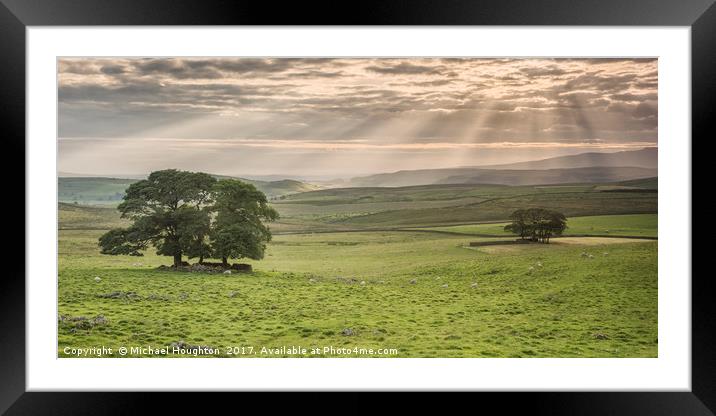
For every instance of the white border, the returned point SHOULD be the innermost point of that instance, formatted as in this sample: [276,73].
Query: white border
[671,371]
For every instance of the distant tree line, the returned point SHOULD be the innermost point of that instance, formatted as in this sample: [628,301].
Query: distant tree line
[194,214]
[536,224]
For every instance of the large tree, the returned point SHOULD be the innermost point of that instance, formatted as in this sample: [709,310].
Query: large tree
[168,210]
[239,228]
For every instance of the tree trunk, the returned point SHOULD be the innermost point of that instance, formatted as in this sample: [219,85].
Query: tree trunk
[201,259]
[177,260]
[225,262]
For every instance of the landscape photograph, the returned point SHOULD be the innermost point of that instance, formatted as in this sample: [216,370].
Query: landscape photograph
[357,207]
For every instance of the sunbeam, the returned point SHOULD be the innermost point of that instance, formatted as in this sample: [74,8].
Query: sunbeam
[343,117]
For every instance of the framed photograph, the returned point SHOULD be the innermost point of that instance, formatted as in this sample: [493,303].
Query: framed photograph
[489,197]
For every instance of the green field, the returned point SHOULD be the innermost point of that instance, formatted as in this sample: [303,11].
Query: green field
[572,306]
[634,225]
[346,270]
[439,205]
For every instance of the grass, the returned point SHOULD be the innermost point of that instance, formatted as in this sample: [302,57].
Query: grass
[349,209]
[82,217]
[386,268]
[570,203]
[633,225]
[308,291]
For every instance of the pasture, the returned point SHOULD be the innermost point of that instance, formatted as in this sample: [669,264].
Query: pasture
[632,225]
[383,268]
[409,291]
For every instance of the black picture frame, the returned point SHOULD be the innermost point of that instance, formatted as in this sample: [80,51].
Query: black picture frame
[16,15]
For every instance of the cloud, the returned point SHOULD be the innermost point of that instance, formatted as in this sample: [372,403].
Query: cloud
[405,68]
[607,102]
[550,71]
[645,110]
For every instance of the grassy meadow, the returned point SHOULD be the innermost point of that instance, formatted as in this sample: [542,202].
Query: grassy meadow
[386,268]
[631,225]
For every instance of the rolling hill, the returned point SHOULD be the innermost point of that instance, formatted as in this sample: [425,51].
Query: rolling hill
[590,167]
[110,191]
[504,176]
[643,158]
[340,209]
[92,191]
[552,176]
[282,187]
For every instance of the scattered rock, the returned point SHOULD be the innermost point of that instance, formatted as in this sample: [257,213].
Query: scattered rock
[100,320]
[311,280]
[227,271]
[97,279]
[208,267]
[599,335]
[473,285]
[233,294]
[605,253]
[413,281]
[75,323]
[445,285]
[179,344]
[584,254]
[119,295]
[202,268]
[347,332]
[362,282]
[539,264]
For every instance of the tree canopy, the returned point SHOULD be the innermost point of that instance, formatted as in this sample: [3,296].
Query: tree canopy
[193,214]
[537,224]
[239,229]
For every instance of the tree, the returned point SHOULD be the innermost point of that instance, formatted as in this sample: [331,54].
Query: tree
[239,230]
[552,223]
[537,223]
[519,224]
[168,212]
[198,225]
[195,230]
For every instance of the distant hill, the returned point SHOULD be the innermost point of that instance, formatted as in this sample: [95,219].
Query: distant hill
[282,187]
[643,158]
[551,176]
[504,176]
[110,191]
[92,191]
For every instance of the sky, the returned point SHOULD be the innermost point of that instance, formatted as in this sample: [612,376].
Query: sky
[338,118]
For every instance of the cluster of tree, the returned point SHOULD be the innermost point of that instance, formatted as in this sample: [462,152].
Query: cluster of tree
[537,224]
[193,214]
